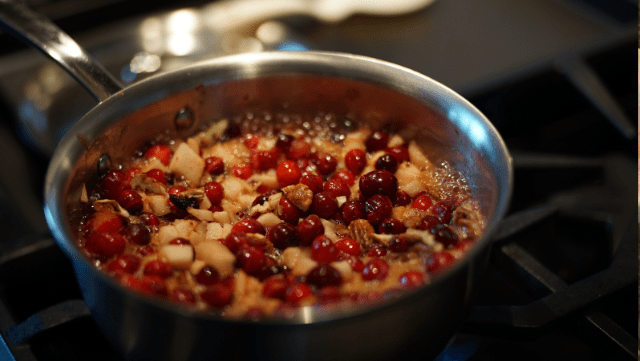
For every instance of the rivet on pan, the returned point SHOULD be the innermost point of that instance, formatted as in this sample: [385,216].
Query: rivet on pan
[184,119]
[104,164]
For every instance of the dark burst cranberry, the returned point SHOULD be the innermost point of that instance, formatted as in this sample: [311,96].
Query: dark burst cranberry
[402,198]
[377,141]
[287,211]
[377,251]
[114,183]
[158,268]
[282,235]
[387,162]
[271,269]
[183,202]
[264,160]
[439,261]
[207,276]
[428,222]
[399,244]
[214,165]
[325,162]
[349,246]
[284,142]
[127,263]
[214,191]
[299,148]
[261,199]
[105,244]
[345,176]
[444,209]
[324,204]
[422,202]
[353,210]
[242,171]
[160,152]
[378,208]
[184,297]
[313,181]
[251,260]
[376,269]
[308,229]
[443,234]
[149,219]
[379,182]
[412,279]
[157,175]
[235,240]
[131,201]
[136,233]
[248,225]
[218,295]
[324,275]
[323,250]
[355,160]
[287,173]
[336,187]
[274,287]
[400,152]
[392,226]
[298,292]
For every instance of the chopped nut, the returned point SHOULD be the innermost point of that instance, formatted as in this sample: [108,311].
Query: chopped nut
[145,183]
[299,194]
[361,230]
[466,222]
[110,205]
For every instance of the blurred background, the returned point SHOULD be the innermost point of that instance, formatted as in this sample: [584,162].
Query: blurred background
[556,77]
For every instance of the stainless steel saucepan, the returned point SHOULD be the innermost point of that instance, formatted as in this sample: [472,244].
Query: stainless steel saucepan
[419,322]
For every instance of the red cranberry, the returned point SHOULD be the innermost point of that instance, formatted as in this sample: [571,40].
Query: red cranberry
[287,211]
[217,295]
[161,152]
[149,219]
[184,297]
[378,208]
[235,240]
[145,251]
[377,141]
[242,171]
[207,276]
[106,244]
[353,210]
[379,182]
[376,269]
[349,246]
[328,294]
[392,226]
[439,261]
[387,162]
[428,222]
[297,292]
[288,173]
[104,222]
[274,287]
[298,149]
[412,279]
[464,245]
[136,233]
[325,162]
[399,244]
[131,201]
[127,263]
[337,188]
[355,263]
[345,176]
[180,242]
[402,198]
[400,152]
[323,250]
[158,268]
[130,173]
[262,189]
[251,141]
[444,209]
[282,235]
[377,251]
[324,275]
[284,142]
[264,160]
[154,284]
[422,202]
[313,181]
[324,204]
[355,160]
[248,225]
[157,175]
[251,260]
[214,191]
[114,183]
[214,165]
[308,229]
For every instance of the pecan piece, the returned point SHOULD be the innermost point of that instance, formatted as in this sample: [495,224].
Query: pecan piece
[362,231]
[300,195]
[466,222]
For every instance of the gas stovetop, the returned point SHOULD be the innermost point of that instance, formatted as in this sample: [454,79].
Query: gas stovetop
[564,268]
